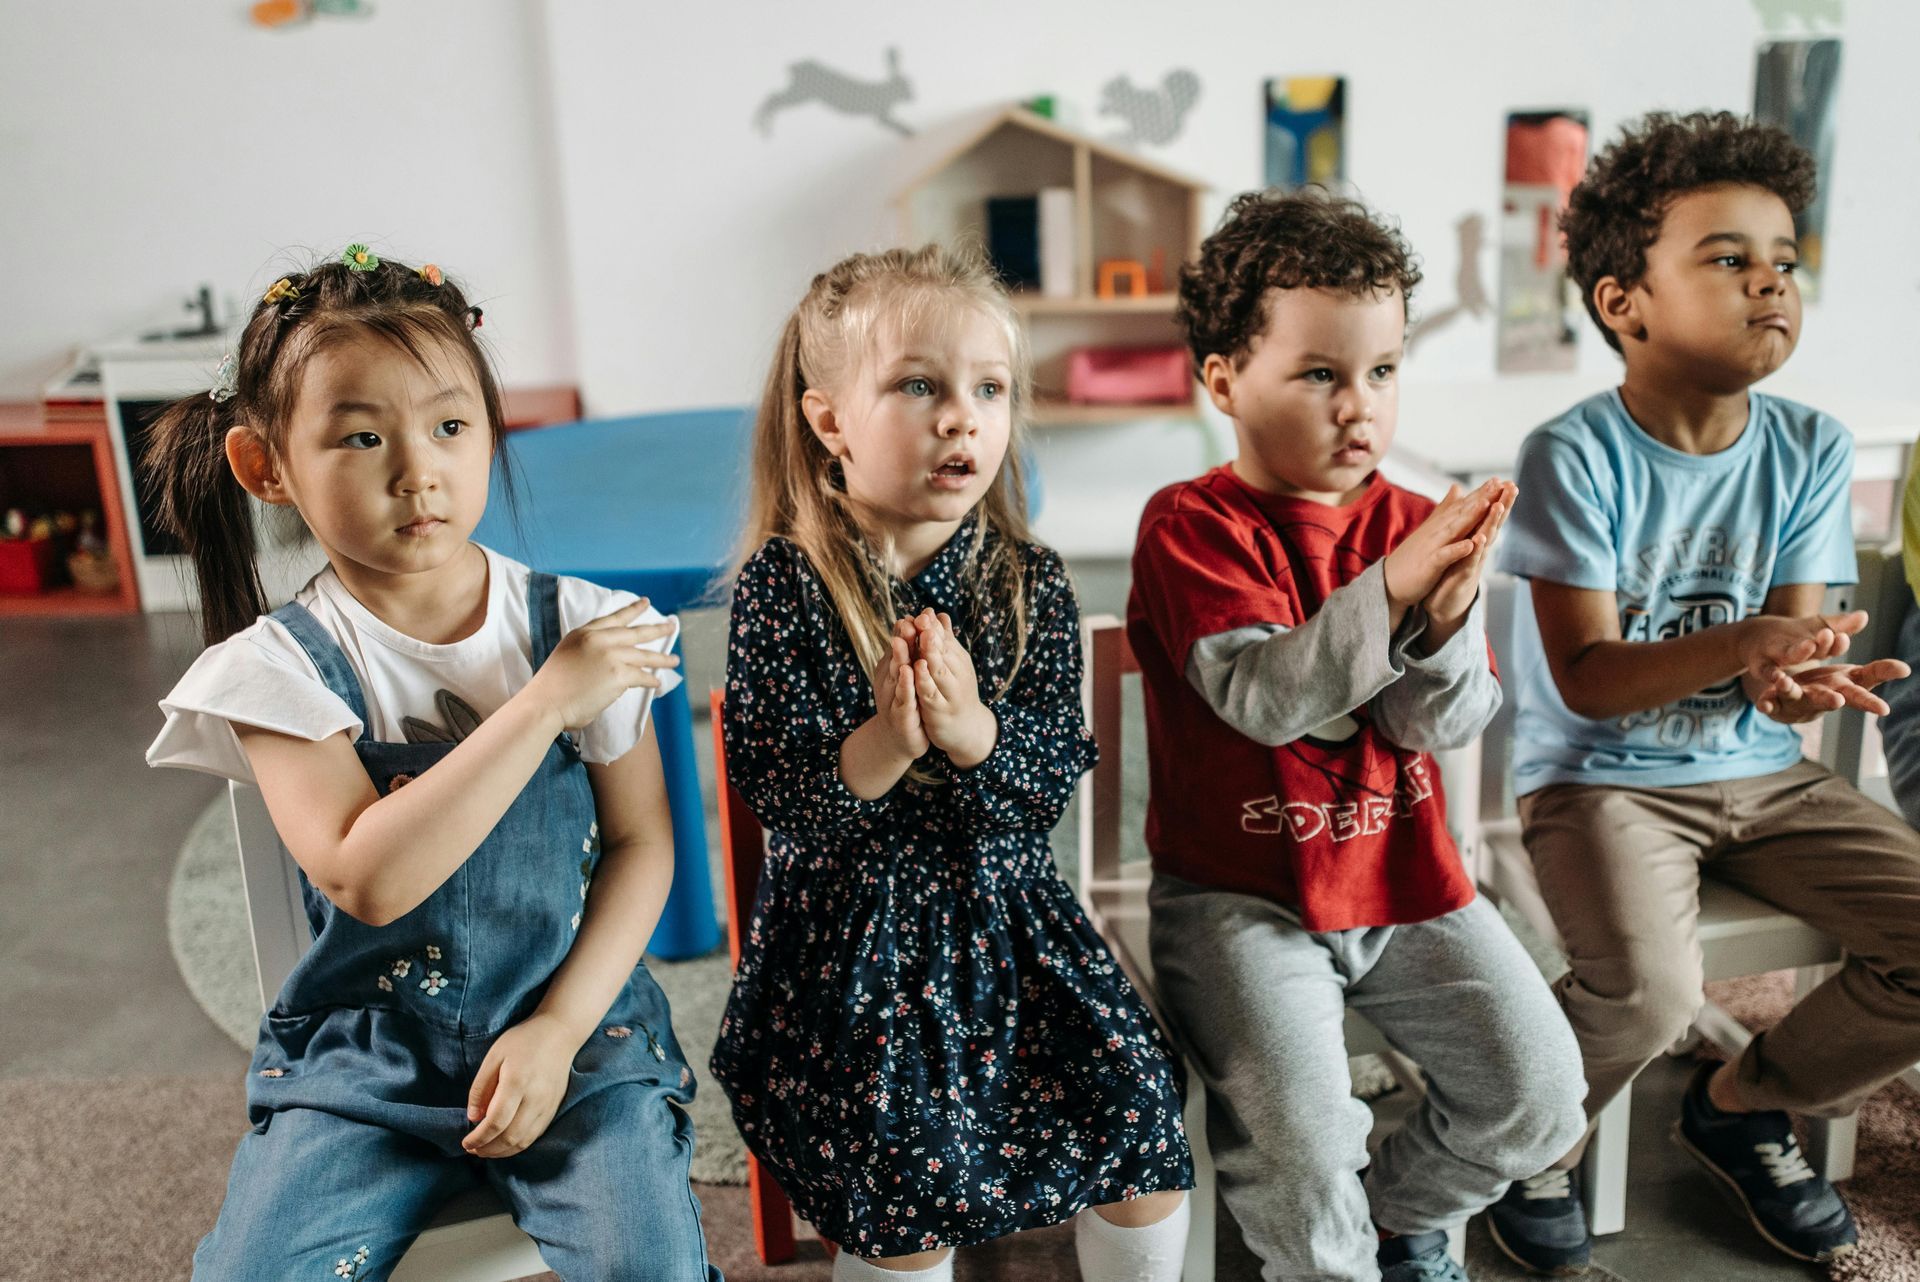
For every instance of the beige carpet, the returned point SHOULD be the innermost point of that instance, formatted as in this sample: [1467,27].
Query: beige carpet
[1885,1189]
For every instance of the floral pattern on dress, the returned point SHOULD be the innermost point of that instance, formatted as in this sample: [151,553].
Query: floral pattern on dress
[927,1042]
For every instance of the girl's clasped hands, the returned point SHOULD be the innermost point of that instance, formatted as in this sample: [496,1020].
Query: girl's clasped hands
[928,695]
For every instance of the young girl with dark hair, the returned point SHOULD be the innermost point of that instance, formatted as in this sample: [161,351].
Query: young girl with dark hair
[454,750]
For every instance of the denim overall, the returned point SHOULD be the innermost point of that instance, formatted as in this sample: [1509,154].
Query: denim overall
[358,1087]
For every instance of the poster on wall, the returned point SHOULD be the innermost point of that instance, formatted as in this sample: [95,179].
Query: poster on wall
[1796,86]
[1540,308]
[1306,131]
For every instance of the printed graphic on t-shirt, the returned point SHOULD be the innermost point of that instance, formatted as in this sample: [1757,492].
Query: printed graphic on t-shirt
[1364,816]
[1688,581]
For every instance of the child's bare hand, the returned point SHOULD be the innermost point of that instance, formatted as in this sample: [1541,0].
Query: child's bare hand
[1769,644]
[519,1086]
[598,662]
[957,722]
[1453,595]
[1813,692]
[895,691]
[1415,567]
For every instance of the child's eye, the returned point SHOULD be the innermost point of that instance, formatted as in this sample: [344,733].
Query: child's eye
[991,390]
[917,387]
[1787,268]
[452,427]
[1318,376]
[1731,260]
[1383,372]
[361,441]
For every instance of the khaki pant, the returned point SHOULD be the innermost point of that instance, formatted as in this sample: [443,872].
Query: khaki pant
[1620,870]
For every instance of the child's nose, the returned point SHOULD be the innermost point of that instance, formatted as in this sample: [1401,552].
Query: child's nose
[414,471]
[956,419]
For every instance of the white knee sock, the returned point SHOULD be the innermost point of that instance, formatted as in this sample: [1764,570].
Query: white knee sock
[1110,1253]
[848,1267]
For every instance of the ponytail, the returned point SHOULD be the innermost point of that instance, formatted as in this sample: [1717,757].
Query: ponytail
[201,503]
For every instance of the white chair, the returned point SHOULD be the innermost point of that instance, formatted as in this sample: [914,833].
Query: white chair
[1850,746]
[1739,936]
[473,1239]
[1115,896]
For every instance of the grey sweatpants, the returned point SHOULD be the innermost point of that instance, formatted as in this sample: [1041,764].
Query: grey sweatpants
[1259,1004]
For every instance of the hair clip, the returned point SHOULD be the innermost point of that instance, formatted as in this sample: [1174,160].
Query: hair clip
[359,258]
[430,273]
[226,380]
[281,289]
[473,317]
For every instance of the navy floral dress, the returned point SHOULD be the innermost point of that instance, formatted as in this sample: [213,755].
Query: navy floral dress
[927,1043]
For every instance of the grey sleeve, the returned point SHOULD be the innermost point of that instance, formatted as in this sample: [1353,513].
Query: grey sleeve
[1446,698]
[1275,684]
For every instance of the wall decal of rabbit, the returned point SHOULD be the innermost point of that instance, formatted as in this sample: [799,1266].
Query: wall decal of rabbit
[812,81]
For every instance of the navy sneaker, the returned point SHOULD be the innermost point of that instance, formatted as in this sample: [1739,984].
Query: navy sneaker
[1541,1224]
[1757,1157]
[1421,1257]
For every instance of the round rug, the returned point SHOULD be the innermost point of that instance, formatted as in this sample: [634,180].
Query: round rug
[207,929]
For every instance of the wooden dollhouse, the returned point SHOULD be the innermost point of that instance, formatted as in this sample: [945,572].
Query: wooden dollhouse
[1132,223]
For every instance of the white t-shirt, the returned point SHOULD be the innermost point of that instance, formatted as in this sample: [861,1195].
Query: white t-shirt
[262,676]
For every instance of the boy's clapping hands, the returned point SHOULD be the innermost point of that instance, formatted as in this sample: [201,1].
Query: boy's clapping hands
[1440,564]
[1775,649]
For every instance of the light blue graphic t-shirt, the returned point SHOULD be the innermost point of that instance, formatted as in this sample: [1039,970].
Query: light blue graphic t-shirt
[1685,542]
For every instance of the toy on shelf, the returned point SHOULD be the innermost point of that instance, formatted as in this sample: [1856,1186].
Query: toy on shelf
[1129,376]
[1116,271]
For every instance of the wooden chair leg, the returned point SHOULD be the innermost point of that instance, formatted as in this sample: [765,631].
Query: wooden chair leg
[772,1215]
[1605,1166]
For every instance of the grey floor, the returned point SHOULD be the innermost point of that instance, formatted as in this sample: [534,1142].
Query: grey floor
[88,835]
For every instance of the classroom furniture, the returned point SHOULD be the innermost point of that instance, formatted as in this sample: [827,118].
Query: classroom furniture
[1115,895]
[652,505]
[746,852]
[67,463]
[1739,935]
[1125,208]
[474,1238]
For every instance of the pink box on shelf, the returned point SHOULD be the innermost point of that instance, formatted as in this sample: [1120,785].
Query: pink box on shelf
[1128,376]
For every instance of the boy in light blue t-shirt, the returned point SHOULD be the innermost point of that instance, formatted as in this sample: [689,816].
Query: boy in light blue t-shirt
[1678,534]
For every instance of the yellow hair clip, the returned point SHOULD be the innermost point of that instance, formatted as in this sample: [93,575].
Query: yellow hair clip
[281,289]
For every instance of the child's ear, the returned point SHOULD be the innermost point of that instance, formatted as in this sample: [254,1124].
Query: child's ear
[819,414]
[1216,375]
[1619,307]
[255,466]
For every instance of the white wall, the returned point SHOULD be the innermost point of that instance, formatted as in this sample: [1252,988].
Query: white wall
[147,147]
[693,235]
[592,167]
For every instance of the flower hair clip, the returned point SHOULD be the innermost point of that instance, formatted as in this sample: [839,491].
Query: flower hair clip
[474,315]
[359,258]
[226,380]
[281,290]
[430,273]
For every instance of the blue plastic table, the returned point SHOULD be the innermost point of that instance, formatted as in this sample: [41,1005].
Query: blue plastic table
[650,505]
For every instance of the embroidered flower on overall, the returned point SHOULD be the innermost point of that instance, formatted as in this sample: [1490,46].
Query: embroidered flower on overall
[348,1268]
[590,850]
[401,968]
